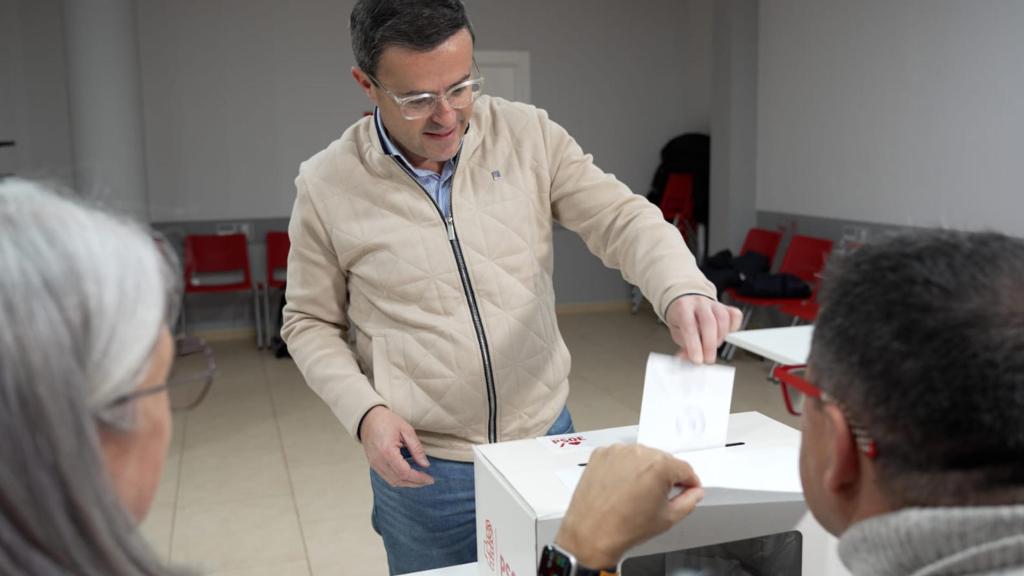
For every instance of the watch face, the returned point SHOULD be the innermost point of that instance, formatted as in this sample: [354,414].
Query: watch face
[554,562]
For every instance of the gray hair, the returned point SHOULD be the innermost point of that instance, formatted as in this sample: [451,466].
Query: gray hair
[921,340]
[420,25]
[83,297]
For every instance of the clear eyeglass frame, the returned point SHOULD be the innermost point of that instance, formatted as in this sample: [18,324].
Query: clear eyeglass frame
[417,106]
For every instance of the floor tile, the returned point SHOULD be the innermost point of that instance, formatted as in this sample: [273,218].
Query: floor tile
[246,534]
[346,546]
[289,569]
[157,529]
[332,491]
[219,478]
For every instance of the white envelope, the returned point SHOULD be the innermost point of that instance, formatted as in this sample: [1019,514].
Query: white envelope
[685,406]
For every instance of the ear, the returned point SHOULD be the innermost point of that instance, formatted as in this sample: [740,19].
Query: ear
[364,83]
[843,473]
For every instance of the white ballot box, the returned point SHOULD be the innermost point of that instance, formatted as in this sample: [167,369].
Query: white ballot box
[752,489]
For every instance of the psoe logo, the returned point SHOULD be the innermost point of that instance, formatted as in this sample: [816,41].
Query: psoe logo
[489,544]
[506,570]
[566,441]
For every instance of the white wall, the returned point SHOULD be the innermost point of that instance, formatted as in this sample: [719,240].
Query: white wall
[908,112]
[733,124]
[34,95]
[238,92]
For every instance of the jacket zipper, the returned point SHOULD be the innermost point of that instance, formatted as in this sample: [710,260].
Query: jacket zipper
[474,310]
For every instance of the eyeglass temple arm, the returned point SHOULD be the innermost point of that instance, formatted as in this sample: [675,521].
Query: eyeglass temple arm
[785,375]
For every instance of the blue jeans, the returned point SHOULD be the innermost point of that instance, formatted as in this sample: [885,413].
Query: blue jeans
[433,526]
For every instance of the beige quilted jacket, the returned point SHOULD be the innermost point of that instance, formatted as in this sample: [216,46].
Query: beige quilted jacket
[452,324]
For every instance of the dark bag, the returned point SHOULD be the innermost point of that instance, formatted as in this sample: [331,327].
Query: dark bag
[725,271]
[775,286]
[277,344]
[751,264]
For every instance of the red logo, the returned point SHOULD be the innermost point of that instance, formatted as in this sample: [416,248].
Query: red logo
[489,544]
[506,570]
[568,441]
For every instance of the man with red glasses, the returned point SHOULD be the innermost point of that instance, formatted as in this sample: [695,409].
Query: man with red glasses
[420,295]
[912,420]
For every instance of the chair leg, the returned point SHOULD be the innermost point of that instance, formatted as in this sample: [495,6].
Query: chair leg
[184,317]
[730,350]
[267,324]
[259,317]
[637,298]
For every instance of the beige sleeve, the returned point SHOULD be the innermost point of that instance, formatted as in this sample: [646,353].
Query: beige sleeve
[315,322]
[623,229]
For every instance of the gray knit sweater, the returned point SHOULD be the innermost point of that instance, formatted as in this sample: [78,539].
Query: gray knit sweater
[937,542]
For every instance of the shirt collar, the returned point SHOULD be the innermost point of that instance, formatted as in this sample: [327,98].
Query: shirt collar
[391,150]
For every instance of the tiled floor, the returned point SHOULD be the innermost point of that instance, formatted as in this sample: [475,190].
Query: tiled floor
[263,480]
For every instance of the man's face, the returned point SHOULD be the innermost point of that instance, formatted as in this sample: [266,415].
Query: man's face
[821,465]
[813,460]
[426,142]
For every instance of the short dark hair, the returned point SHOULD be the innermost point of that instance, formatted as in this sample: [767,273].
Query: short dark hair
[420,25]
[921,341]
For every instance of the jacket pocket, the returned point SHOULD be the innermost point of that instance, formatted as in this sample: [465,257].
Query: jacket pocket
[381,367]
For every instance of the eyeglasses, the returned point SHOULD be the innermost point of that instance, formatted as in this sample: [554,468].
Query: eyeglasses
[416,106]
[795,391]
[188,384]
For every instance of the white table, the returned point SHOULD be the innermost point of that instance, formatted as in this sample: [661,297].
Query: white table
[460,570]
[787,346]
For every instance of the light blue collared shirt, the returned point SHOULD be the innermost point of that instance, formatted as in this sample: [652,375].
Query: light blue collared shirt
[439,186]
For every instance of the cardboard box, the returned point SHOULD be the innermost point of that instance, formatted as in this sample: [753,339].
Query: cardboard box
[524,487]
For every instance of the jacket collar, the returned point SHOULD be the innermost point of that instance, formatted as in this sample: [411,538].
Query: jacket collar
[377,159]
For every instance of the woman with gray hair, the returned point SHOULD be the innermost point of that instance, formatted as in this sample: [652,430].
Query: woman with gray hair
[85,351]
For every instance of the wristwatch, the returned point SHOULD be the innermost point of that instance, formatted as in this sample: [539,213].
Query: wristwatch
[556,561]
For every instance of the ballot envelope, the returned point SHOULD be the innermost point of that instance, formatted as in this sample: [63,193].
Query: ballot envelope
[752,489]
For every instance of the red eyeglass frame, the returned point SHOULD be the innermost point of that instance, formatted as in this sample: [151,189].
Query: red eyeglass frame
[785,375]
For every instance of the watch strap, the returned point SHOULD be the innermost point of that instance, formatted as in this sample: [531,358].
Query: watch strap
[556,560]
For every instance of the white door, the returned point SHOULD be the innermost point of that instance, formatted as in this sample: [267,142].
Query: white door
[506,73]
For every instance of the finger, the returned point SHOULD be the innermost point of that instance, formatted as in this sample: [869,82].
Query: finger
[414,446]
[680,473]
[405,476]
[736,316]
[722,317]
[682,505]
[708,325]
[690,336]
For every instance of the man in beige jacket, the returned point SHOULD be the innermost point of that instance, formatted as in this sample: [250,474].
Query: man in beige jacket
[420,299]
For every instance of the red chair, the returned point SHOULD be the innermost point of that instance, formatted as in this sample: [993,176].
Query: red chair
[805,258]
[807,310]
[764,242]
[278,246]
[219,263]
[802,310]
[677,207]
[677,204]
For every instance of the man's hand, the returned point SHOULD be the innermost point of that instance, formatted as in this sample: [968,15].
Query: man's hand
[384,434]
[622,500]
[699,326]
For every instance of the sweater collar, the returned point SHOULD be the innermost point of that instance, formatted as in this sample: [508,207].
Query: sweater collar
[927,541]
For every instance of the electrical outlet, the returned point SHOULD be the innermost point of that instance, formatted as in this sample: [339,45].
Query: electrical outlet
[235,228]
